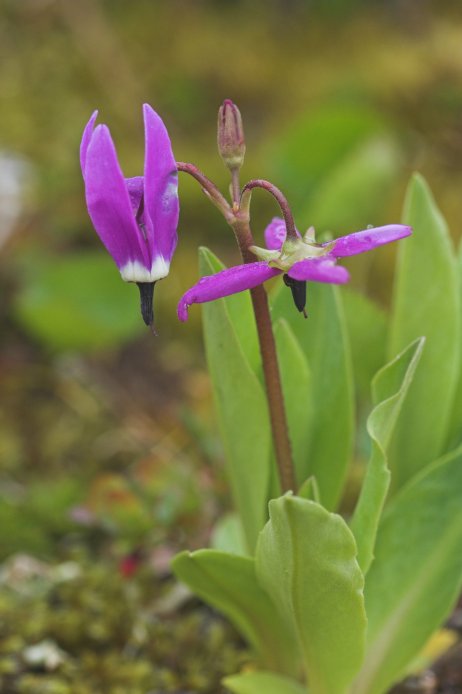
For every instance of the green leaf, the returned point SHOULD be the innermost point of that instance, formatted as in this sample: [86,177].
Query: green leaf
[78,302]
[296,387]
[306,560]
[426,302]
[416,576]
[228,583]
[241,406]
[455,429]
[262,683]
[240,311]
[324,340]
[389,389]
[367,330]
[309,490]
[228,535]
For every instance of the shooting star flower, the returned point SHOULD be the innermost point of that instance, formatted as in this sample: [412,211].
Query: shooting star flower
[135,218]
[299,260]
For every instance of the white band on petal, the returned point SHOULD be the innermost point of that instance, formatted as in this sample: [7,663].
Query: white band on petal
[134,271]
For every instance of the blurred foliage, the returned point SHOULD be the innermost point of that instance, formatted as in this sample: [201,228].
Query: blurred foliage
[77,302]
[340,101]
[106,435]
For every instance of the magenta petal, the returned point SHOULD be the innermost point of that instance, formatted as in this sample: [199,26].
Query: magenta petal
[368,239]
[275,234]
[135,187]
[86,137]
[319,270]
[161,187]
[235,279]
[109,203]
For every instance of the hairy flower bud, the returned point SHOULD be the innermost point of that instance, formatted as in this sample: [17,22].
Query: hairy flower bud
[231,143]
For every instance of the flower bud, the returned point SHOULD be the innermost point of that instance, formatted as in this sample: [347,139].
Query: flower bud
[231,143]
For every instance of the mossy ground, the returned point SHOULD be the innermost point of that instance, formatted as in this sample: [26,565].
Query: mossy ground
[83,627]
[98,491]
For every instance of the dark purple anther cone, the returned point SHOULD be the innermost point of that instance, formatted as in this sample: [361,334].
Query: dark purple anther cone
[146,301]
[298,289]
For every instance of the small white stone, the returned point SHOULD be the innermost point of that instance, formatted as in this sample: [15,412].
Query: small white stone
[45,654]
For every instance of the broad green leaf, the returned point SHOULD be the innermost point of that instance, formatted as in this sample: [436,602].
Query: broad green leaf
[296,387]
[228,535]
[323,338]
[389,389]
[367,330]
[242,411]
[240,311]
[359,184]
[228,583]
[309,490]
[262,683]
[78,302]
[426,303]
[306,560]
[416,576]
[455,430]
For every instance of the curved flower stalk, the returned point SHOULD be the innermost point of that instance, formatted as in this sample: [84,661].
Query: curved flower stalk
[135,218]
[300,260]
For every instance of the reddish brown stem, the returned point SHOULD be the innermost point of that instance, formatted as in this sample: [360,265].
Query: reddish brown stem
[209,189]
[269,356]
[281,199]
[239,220]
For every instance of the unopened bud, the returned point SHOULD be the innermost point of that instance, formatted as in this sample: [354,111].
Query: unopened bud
[231,143]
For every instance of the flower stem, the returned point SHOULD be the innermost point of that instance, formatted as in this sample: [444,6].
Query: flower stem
[238,218]
[281,199]
[209,189]
[269,357]
[235,188]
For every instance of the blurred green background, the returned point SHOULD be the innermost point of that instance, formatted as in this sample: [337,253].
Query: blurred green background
[341,101]
[107,439]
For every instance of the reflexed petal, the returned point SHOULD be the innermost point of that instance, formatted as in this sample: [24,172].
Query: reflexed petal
[109,203]
[275,234]
[319,270]
[230,281]
[86,137]
[161,204]
[368,239]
